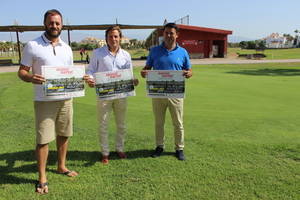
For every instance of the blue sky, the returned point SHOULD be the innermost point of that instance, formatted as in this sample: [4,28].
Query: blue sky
[248,19]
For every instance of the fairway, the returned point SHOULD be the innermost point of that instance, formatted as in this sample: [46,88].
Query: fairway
[242,141]
[291,53]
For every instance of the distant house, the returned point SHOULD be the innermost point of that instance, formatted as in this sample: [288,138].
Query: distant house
[93,40]
[125,40]
[275,40]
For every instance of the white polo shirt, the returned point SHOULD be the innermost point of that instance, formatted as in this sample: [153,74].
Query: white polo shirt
[40,52]
[103,61]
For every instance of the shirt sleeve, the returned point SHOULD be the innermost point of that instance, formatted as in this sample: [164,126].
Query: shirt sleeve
[187,62]
[128,64]
[150,59]
[71,61]
[27,55]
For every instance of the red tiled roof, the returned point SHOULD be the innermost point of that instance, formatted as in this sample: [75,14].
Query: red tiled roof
[203,29]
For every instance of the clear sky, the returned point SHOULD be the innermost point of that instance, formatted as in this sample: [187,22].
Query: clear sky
[252,19]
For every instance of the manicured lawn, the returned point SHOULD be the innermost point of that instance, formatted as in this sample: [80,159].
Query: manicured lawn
[270,53]
[242,125]
[14,58]
[136,53]
[232,53]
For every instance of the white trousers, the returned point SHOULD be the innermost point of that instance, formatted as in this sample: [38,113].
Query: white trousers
[119,107]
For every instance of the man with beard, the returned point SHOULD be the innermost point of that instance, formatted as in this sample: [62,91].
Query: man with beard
[53,118]
[168,56]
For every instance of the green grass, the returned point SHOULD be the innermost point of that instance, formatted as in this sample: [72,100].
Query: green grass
[14,58]
[232,53]
[136,53]
[270,53]
[242,141]
[77,57]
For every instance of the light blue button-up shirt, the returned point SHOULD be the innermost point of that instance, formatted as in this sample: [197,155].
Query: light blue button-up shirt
[103,61]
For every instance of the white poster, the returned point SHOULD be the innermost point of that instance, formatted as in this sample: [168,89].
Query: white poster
[114,84]
[165,84]
[64,81]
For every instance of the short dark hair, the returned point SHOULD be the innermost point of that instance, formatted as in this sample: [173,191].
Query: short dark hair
[171,25]
[113,28]
[52,12]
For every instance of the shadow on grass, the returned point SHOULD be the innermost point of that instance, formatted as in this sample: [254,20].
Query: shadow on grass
[286,152]
[268,72]
[14,162]
[145,154]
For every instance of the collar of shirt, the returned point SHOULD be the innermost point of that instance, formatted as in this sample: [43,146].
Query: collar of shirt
[163,46]
[45,39]
[108,52]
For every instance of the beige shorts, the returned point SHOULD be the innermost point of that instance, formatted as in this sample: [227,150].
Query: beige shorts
[53,118]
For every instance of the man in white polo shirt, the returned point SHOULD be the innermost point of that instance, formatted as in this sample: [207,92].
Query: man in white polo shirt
[106,59]
[53,117]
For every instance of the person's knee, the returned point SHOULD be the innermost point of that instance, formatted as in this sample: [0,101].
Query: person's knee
[62,137]
[40,146]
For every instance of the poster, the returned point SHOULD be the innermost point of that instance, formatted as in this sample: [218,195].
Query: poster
[165,84]
[114,84]
[66,81]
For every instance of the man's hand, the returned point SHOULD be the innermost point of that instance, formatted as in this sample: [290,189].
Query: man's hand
[145,71]
[187,73]
[37,79]
[135,81]
[90,81]
[26,76]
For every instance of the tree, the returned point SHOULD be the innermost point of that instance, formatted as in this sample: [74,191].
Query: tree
[260,44]
[243,45]
[233,45]
[296,43]
[88,46]
[257,44]
[74,45]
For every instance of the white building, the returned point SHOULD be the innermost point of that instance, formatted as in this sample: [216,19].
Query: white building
[100,42]
[276,41]
[125,40]
[93,40]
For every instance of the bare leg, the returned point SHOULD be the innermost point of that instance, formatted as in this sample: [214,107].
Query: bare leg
[62,147]
[42,156]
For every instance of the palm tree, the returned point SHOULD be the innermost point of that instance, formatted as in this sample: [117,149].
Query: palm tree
[296,38]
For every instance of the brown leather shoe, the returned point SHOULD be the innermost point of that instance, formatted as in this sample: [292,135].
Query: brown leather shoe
[104,160]
[121,155]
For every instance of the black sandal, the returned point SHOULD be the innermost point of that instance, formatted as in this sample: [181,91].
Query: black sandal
[41,186]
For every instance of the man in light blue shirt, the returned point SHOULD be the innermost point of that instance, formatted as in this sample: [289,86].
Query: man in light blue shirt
[110,58]
[160,58]
[168,56]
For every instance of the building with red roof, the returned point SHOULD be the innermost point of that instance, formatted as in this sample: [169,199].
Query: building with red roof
[200,42]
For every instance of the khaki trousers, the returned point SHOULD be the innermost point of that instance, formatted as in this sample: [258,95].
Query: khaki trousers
[175,106]
[119,107]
